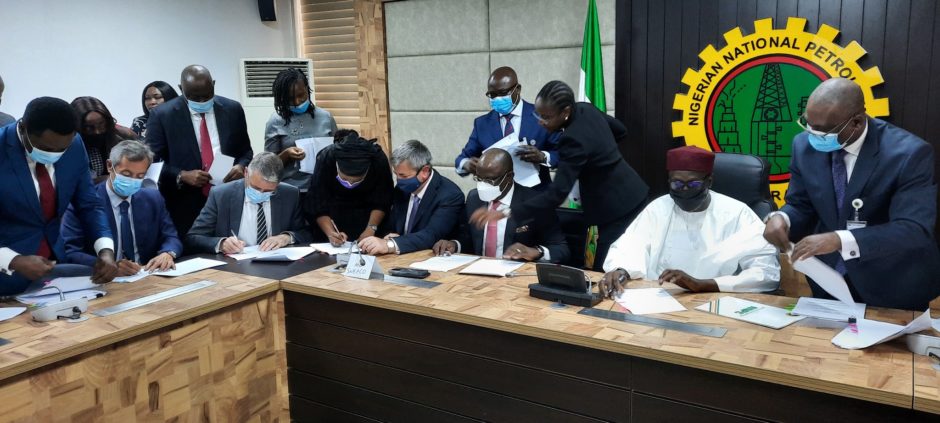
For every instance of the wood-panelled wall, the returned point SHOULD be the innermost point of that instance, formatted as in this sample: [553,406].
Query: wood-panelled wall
[657,40]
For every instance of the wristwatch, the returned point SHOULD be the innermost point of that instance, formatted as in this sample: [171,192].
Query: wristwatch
[392,247]
[541,252]
[172,254]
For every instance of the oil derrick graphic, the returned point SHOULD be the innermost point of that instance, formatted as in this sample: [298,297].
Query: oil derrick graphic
[771,112]
[728,125]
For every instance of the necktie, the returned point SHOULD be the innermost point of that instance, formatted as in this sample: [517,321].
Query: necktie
[489,247]
[127,237]
[839,181]
[47,203]
[508,129]
[415,202]
[205,145]
[262,225]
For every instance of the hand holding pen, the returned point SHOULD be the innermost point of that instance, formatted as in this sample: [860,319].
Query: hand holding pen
[232,245]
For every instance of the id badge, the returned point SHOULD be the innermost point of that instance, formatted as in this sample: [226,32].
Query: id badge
[855,224]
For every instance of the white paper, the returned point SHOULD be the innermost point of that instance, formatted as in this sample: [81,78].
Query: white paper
[54,298]
[826,277]
[190,266]
[311,147]
[285,254]
[649,301]
[247,253]
[132,278]
[69,284]
[491,267]
[221,166]
[328,248]
[761,314]
[362,266]
[7,313]
[444,263]
[152,178]
[526,173]
[828,309]
[872,332]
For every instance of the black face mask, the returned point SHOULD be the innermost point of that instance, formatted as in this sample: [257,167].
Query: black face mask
[690,200]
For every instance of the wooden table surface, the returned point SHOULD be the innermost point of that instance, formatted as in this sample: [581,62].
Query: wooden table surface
[927,378]
[34,344]
[799,355]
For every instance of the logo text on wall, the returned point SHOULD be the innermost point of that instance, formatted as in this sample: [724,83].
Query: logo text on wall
[747,96]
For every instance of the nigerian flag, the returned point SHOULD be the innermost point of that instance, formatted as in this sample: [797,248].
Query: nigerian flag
[591,90]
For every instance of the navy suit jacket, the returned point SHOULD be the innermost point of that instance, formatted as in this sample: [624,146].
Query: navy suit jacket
[437,217]
[542,229]
[486,131]
[898,264]
[22,225]
[154,232]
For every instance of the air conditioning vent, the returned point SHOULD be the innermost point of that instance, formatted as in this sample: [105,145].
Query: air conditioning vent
[259,74]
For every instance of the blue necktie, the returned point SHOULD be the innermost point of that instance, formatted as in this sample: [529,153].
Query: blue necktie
[415,201]
[508,129]
[839,181]
[127,237]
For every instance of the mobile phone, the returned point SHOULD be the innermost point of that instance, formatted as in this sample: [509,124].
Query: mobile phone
[407,272]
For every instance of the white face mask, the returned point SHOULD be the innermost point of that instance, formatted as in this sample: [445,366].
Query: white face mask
[488,192]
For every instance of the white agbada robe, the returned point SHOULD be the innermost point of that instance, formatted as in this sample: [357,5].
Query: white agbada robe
[725,242]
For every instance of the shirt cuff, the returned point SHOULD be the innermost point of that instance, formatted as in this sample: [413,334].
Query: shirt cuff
[778,213]
[103,243]
[547,256]
[548,159]
[397,250]
[849,249]
[460,169]
[6,257]
[458,246]
[218,246]
[289,235]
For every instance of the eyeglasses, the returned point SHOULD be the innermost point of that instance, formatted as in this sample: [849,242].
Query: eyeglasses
[494,181]
[502,93]
[802,122]
[677,185]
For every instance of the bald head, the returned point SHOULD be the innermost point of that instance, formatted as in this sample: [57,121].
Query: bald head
[196,83]
[495,161]
[837,105]
[502,82]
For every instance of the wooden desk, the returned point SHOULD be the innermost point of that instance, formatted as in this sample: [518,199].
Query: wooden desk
[209,355]
[927,379]
[478,348]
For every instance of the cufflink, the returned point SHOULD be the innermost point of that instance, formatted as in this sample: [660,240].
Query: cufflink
[853,253]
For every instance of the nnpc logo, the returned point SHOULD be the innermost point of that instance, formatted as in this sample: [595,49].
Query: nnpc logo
[747,97]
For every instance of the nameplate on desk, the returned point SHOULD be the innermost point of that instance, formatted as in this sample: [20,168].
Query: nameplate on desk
[712,331]
[361,266]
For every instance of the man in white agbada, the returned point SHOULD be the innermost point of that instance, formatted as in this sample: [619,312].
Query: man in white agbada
[696,238]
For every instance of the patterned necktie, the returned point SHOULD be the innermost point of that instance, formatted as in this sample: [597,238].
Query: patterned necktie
[262,225]
[415,202]
[205,146]
[509,129]
[489,247]
[839,181]
[127,237]
[47,203]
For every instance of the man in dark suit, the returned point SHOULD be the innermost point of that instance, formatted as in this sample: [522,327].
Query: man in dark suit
[188,133]
[247,212]
[45,168]
[537,239]
[510,115]
[426,206]
[846,162]
[138,217]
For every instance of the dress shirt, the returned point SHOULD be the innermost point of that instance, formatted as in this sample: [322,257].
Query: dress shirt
[116,211]
[210,124]
[501,228]
[248,229]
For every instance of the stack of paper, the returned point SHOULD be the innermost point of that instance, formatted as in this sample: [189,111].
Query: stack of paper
[828,309]
[489,267]
[285,254]
[190,266]
[221,166]
[648,301]
[326,247]
[7,313]
[152,178]
[444,263]
[311,147]
[751,312]
[870,332]
[132,278]
[73,287]
[525,173]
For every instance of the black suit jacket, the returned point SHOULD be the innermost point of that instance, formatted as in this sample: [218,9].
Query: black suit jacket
[543,229]
[587,149]
[437,217]
[173,140]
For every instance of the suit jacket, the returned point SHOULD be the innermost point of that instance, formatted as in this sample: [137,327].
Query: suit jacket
[23,225]
[437,217]
[173,140]
[223,215]
[486,131]
[610,188]
[154,232]
[894,177]
[543,229]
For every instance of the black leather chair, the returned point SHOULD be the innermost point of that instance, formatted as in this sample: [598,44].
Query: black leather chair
[745,178]
[575,229]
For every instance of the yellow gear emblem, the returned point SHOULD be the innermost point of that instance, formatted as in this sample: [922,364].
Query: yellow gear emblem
[747,96]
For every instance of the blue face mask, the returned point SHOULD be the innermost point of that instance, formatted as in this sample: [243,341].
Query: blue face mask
[255,196]
[825,143]
[502,105]
[42,156]
[409,185]
[125,186]
[302,108]
[201,107]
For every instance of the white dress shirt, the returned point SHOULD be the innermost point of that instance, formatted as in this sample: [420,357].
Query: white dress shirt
[210,124]
[116,211]
[504,204]
[248,229]
[516,120]
[420,194]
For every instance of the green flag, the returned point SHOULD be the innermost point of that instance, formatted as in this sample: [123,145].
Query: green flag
[591,90]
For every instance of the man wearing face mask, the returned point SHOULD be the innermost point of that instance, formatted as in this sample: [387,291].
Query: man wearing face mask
[257,210]
[5,119]
[696,238]
[188,134]
[145,235]
[537,239]
[510,114]
[45,168]
[426,206]
[862,198]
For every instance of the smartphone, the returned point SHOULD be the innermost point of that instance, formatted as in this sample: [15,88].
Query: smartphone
[407,272]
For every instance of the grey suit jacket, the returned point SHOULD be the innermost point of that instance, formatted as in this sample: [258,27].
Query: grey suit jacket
[223,213]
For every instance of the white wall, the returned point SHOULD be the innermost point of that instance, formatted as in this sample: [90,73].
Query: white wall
[111,49]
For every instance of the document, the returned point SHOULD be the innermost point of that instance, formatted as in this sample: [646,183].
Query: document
[69,284]
[871,332]
[89,294]
[444,263]
[826,277]
[828,309]
[7,313]
[491,267]
[247,253]
[221,166]
[311,147]
[190,266]
[326,247]
[526,173]
[132,278]
[285,254]
[152,178]
[750,311]
[649,301]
